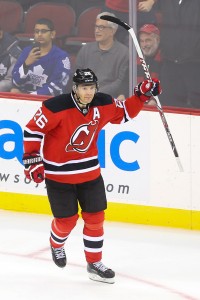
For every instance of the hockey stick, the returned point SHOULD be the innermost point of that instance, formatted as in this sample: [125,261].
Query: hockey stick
[148,76]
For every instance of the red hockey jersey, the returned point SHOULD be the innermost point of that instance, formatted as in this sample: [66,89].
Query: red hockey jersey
[67,135]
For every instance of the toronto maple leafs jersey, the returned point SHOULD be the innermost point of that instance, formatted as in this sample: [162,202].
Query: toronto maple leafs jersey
[47,76]
[69,134]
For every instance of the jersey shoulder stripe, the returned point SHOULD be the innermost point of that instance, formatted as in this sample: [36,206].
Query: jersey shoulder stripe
[101,99]
[59,103]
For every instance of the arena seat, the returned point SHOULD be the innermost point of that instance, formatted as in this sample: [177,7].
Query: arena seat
[84,27]
[62,15]
[11,16]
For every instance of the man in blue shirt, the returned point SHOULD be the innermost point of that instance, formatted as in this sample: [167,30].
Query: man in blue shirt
[43,68]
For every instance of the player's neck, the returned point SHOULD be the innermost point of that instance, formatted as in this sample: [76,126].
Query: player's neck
[84,107]
[79,102]
[81,105]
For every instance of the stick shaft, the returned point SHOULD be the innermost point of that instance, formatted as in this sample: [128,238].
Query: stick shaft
[148,76]
[159,107]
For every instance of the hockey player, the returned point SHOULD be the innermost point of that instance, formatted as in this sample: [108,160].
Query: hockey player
[42,68]
[69,125]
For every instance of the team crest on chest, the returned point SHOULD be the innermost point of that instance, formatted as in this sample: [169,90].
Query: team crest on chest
[82,137]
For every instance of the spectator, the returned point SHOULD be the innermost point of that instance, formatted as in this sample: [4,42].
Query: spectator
[107,57]
[42,69]
[149,40]
[180,48]
[145,14]
[9,53]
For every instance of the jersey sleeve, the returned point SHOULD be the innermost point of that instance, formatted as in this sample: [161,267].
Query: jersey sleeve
[126,110]
[42,122]
[18,74]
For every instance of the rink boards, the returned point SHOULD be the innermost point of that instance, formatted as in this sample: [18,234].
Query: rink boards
[142,179]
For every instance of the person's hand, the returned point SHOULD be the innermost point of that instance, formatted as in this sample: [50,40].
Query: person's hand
[34,168]
[33,56]
[16,91]
[148,88]
[145,6]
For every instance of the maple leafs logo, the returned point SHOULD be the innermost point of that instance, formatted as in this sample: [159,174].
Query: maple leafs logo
[66,63]
[38,79]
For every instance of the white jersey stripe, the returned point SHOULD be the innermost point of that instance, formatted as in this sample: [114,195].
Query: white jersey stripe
[93,238]
[72,172]
[70,161]
[93,250]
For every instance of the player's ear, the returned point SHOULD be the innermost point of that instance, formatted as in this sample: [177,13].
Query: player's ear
[74,88]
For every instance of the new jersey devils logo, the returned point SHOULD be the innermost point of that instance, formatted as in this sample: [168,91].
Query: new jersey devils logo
[82,137]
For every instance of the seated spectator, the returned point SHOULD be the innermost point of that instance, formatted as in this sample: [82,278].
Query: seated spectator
[107,57]
[9,53]
[149,40]
[43,68]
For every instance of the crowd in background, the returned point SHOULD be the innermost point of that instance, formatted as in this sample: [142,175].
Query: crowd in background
[169,37]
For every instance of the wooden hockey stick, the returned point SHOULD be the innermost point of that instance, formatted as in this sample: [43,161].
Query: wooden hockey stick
[148,76]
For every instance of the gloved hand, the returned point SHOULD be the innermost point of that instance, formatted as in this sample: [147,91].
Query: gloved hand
[146,89]
[34,168]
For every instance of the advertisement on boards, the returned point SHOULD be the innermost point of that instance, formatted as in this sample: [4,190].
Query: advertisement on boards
[123,154]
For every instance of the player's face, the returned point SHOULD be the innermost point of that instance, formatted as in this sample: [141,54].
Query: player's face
[149,43]
[43,34]
[86,92]
[103,31]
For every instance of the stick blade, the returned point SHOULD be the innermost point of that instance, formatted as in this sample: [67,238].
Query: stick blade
[116,21]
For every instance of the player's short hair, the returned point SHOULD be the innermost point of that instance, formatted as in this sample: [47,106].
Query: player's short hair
[44,21]
[111,24]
